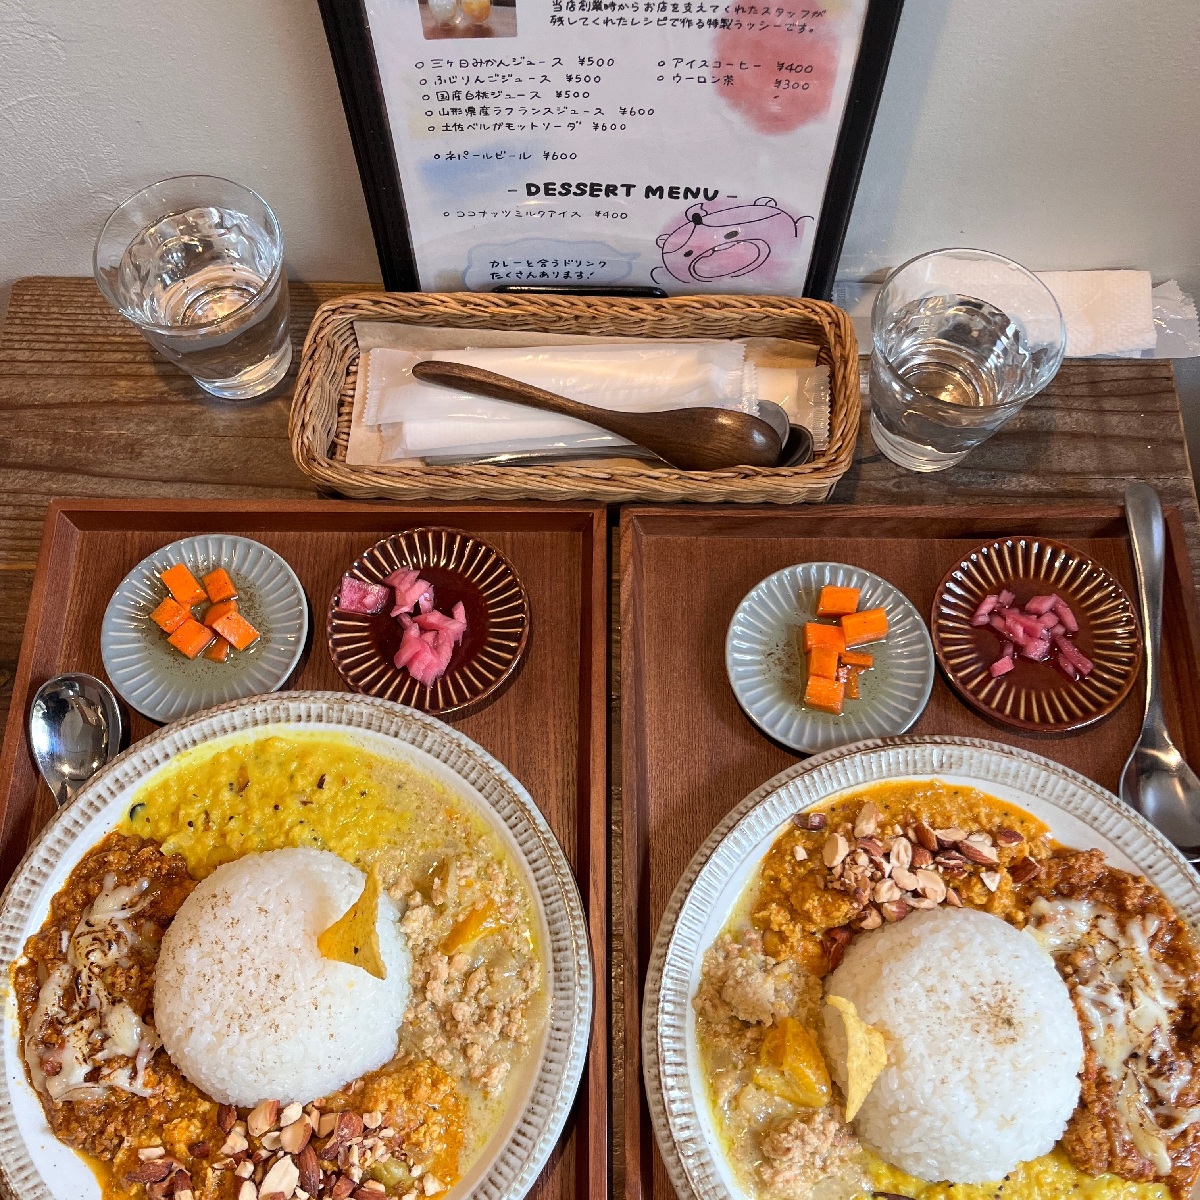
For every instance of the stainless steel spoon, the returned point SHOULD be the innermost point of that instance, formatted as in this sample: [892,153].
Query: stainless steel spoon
[1156,781]
[74,729]
[797,449]
[796,444]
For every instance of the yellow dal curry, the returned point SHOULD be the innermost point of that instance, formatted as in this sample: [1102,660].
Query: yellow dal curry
[469,920]
[1044,1178]
[323,791]
[305,789]
[790,907]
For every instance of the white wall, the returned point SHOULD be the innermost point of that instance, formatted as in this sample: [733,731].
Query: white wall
[99,99]
[1061,132]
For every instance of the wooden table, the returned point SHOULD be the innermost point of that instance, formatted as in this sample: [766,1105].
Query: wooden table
[88,409]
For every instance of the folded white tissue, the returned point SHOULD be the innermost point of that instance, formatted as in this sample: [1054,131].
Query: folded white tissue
[1105,312]
[397,417]
[418,418]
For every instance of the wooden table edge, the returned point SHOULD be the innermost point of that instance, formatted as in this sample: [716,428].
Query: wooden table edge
[14,727]
[594,1169]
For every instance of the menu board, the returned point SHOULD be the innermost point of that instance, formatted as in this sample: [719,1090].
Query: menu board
[683,144]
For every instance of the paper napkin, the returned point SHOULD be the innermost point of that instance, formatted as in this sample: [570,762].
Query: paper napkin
[1105,312]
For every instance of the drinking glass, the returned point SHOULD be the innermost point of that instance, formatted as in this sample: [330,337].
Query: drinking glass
[962,339]
[196,263]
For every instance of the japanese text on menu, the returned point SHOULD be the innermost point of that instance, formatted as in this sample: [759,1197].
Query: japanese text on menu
[680,143]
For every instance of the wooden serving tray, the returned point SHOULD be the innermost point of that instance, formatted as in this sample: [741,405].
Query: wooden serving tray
[688,752]
[548,728]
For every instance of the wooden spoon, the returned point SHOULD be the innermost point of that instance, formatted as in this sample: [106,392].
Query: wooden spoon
[692,439]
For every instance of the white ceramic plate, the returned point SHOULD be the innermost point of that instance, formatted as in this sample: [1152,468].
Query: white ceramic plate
[1080,814]
[34,1165]
[766,666]
[160,682]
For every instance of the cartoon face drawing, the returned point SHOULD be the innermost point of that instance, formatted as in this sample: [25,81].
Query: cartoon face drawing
[726,243]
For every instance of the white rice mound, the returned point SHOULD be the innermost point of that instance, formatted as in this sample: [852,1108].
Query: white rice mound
[247,1007]
[984,1047]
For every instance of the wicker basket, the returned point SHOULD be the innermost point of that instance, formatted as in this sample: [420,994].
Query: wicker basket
[321,407]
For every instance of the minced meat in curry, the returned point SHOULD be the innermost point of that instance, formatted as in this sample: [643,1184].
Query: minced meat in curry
[1132,969]
[874,856]
[84,985]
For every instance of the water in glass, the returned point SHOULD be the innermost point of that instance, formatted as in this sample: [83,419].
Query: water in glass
[962,339]
[959,349]
[205,273]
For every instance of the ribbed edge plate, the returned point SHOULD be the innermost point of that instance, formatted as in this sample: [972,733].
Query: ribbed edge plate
[461,568]
[1080,813]
[766,667]
[1037,696]
[158,681]
[35,1166]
